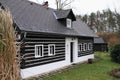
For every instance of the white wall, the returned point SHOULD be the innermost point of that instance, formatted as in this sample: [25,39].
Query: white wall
[28,72]
[84,58]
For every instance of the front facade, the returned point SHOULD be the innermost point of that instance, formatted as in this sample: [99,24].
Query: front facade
[51,39]
[45,53]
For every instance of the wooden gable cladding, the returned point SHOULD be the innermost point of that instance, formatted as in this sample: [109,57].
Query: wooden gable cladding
[28,50]
[64,14]
[85,40]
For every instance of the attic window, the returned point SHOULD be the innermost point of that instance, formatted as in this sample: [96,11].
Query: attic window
[69,23]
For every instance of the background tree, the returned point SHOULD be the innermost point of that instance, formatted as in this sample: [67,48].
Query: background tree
[118,21]
[111,20]
[85,18]
[104,21]
[61,4]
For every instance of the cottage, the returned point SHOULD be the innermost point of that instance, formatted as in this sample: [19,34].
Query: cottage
[100,44]
[51,38]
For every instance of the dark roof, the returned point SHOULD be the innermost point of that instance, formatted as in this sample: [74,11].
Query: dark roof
[83,29]
[98,40]
[36,18]
[61,14]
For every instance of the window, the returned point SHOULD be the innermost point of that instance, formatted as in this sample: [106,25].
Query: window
[80,47]
[89,46]
[38,51]
[85,46]
[69,23]
[51,49]
[18,36]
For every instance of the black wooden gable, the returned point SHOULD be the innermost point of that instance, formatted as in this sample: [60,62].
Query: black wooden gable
[63,14]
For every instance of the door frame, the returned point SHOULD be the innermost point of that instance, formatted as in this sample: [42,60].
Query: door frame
[70,40]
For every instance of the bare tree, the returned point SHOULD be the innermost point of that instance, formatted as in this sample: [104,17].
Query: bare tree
[61,4]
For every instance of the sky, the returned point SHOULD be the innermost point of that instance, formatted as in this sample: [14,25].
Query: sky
[87,6]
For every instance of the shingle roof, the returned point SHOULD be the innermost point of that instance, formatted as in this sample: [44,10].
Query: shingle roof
[98,40]
[83,29]
[35,18]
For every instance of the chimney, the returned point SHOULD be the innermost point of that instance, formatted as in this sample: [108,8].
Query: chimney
[45,4]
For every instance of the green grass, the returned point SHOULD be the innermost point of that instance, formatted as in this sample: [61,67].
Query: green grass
[97,71]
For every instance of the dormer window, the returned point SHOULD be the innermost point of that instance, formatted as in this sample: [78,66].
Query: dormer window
[69,23]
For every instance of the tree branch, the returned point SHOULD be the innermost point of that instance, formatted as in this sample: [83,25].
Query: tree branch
[67,4]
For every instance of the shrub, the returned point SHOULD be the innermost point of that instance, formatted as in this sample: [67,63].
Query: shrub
[90,60]
[115,53]
[9,67]
[117,74]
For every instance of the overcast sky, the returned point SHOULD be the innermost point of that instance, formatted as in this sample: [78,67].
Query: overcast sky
[87,6]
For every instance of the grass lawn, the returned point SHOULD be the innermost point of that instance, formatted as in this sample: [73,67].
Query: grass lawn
[96,71]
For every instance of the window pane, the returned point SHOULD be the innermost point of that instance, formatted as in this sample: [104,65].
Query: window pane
[80,47]
[69,22]
[40,51]
[51,50]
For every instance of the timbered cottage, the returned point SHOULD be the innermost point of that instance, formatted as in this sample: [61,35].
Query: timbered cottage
[100,45]
[51,38]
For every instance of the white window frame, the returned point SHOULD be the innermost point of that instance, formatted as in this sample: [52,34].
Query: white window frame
[82,47]
[89,46]
[49,49]
[85,46]
[38,54]
[79,47]
[69,23]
